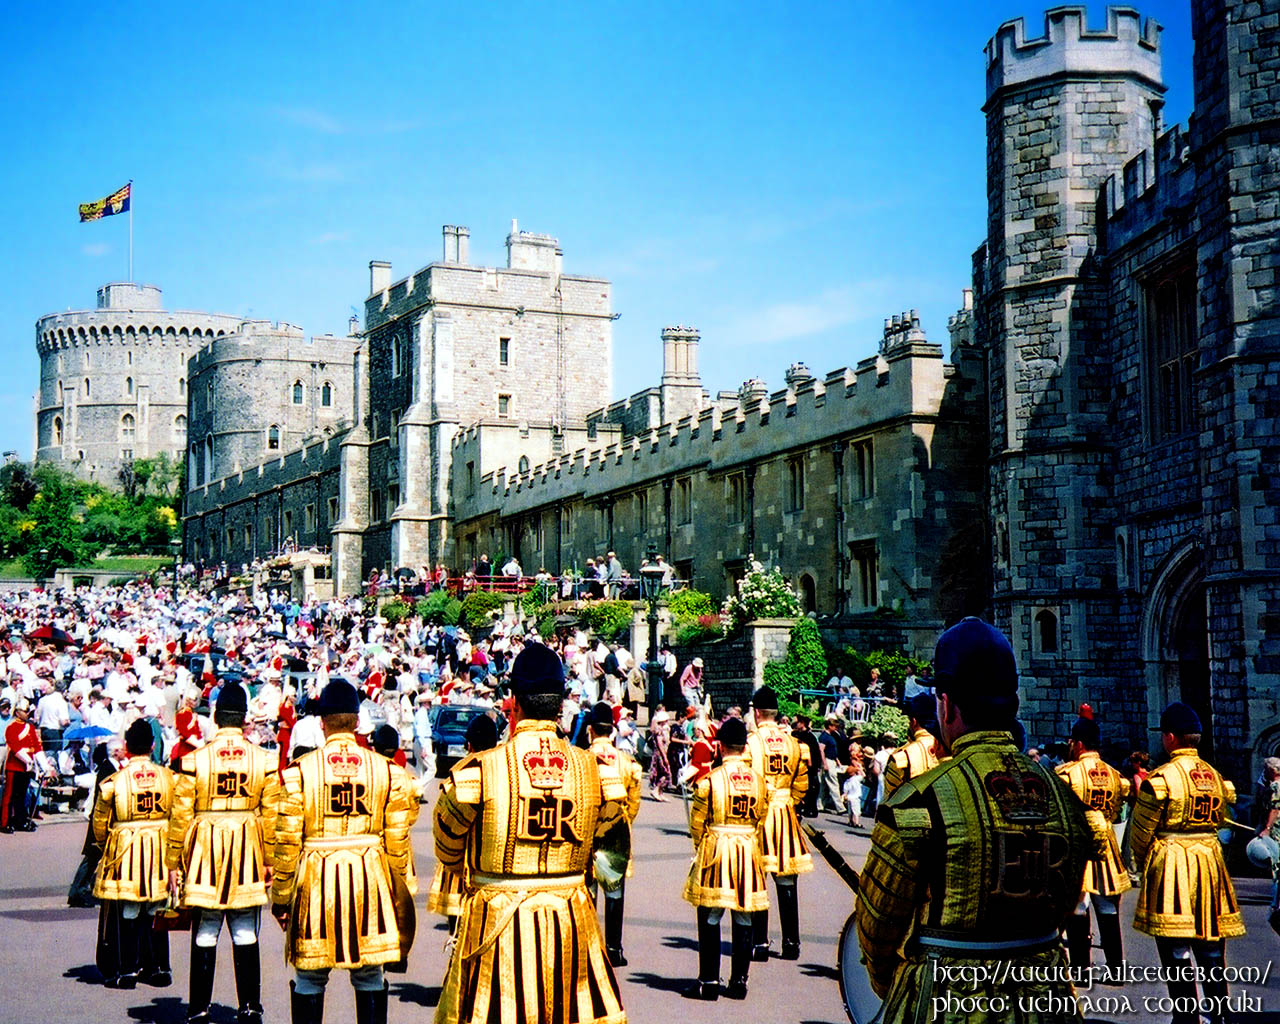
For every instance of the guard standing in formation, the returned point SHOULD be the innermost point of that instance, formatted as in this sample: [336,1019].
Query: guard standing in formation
[979,860]
[784,763]
[341,856]
[521,820]
[729,808]
[130,816]
[219,853]
[1186,900]
[920,753]
[623,767]
[1103,791]
[386,741]
[447,885]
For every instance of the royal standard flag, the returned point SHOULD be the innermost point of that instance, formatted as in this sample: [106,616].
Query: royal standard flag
[117,202]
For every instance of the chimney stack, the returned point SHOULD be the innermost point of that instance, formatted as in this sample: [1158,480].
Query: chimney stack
[379,276]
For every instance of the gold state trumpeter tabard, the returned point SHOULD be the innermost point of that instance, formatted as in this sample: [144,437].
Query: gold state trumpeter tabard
[521,820]
[784,763]
[729,808]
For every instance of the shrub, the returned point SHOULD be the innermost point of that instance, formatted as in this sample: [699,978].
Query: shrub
[395,612]
[452,612]
[761,594]
[608,619]
[699,630]
[804,668]
[888,719]
[431,608]
[536,599]
[893,666]
[479,606]
[547,626]
[689,605]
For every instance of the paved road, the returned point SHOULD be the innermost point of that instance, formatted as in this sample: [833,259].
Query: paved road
[46,952]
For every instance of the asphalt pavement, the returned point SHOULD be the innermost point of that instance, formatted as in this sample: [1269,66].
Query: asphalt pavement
[46,956]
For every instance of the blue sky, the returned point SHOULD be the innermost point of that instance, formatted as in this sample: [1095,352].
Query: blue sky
[780,176]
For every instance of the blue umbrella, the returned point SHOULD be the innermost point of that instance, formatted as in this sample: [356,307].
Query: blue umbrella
[87,732]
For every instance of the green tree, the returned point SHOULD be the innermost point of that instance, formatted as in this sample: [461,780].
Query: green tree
[18,485]
[58,537]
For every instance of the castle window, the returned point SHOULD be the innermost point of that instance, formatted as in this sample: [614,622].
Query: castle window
[393,496]
[127,427]
[397,355]
[208,456]
[377,505]
[1046,632]
[129,358]
[273,438]
[864,470]
[795,484]
[395,428]
[180,430]
[182,385]
[735,497]
[248,537]
[298,392]
[326,395]
[523,465]
[504,406]
[288,524]
[309,518]
[126,454]
[537,532]
[208,395]
[1171,354]
[333,511]
[866,574]
[128,385]
[504,351]
[57,430]
[808,593]
[86,387]
[59,392]
[684,500]
[471,479]
[642,512]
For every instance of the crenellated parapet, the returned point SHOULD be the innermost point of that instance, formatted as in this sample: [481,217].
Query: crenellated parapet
[1127,47]
[1158,182]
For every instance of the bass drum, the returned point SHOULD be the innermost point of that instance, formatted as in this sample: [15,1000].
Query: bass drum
[860,1001]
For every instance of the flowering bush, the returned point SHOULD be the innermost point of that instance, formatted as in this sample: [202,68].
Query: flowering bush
[762,594]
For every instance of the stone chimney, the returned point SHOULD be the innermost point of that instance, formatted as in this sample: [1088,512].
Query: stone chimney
[379,276]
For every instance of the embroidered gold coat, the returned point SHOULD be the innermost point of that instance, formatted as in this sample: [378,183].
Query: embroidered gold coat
[521,820]
[988,848]
[342,832]
[729,807]
[1185,891]
[910,760]
[1103,791]
[130,816]
[624,768]
[447,885]
[782,760]
[220,833]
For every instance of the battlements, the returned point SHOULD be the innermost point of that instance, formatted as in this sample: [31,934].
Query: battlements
[1158,180]
[1125,48]
[906,383]
[316,454]
[127,295]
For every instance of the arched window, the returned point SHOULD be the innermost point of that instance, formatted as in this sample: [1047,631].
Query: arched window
[182,385]
[326,395]
[297,392]
[208,457]
[1046,632]
[808,593]
[57,430]
[59,392]
[180,431]
[128,385]
[127,427]
[273,438]
[86,387]
[524,464]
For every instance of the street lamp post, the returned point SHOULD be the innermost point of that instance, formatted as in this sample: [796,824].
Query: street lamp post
[651,575]
[44,567]
[176,546]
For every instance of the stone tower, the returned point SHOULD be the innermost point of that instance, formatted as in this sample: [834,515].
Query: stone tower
[1236,145]
[1064,112]
[681,382]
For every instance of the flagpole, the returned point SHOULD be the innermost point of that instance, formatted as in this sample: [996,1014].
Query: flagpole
[131,231]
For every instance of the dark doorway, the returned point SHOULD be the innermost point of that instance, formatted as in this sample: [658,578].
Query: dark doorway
[808,593]
[1190,640]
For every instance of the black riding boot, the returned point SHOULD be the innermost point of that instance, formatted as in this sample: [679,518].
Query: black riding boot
[129,950]
[613,931]
[1210,958]
[1079,942]
[371,1007]
[1112,944]
[203,961]
[708,986]
[740,961]
[1183,992]
[760,928]
[157,971]
[305,1009]
[789,918]
[248,983]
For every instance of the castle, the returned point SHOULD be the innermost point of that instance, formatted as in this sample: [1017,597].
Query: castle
[1093,465]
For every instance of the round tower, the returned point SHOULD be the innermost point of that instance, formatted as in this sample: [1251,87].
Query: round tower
[113,380]
[1064,112]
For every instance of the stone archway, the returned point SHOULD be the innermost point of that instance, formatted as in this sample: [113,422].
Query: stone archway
[1175,640]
